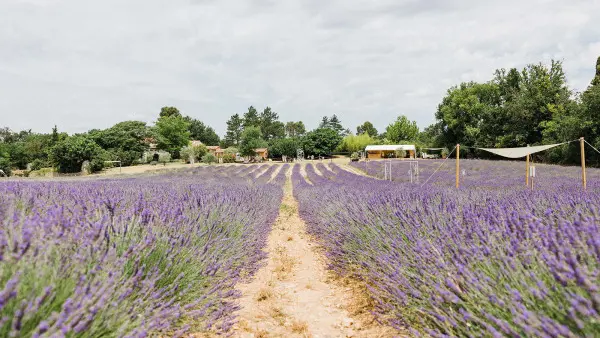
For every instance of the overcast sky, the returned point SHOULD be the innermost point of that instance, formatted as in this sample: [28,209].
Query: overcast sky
[85,64]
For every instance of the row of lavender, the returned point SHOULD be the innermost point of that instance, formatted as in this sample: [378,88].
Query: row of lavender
[133,256]
[473,262]
[478,173]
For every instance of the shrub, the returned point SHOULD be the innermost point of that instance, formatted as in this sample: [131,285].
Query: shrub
[209,158]
[445,152]
[5,166]
[354,156]
[38,164]
[127,157]
[188,153]
[164,158]
[400,153]
[229,158]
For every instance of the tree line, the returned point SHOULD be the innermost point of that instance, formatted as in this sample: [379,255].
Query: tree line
[514,108]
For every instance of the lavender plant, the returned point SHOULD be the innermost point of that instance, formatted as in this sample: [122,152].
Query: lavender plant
[130,257]
[494,259]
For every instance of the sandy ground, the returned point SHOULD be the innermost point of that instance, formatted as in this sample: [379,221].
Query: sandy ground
[293,295]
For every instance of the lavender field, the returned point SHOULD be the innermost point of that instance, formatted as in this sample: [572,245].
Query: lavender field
[162,254]
[132,257]
[490,259]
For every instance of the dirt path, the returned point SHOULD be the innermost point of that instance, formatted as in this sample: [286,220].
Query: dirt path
[292,295]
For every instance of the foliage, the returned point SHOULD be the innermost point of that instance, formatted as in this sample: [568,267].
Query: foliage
[38,164]
[124,141]
[367,128]
[445,152]
[169,112]
[251,139]
[172,134]
[235,127]
[270,126]
[69,154]
[400,153]
[514,109]
[193,152]
[321,141]
[231,150]
[164,158]
[201,132]
[284,147]
[295,129]
[23,147]
[209,158]
[402,130]
[354,156]
[229,158]
[5,165]
[251,118]
[355,143]
[334,123]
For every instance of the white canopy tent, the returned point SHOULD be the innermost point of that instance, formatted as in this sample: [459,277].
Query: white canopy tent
[521,151]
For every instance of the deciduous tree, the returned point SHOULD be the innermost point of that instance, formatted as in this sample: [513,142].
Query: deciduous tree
[402,130]
[367,128]
[172,134]
[321,141]
[251,139]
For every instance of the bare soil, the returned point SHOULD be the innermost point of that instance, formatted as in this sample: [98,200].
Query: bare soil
[294,295]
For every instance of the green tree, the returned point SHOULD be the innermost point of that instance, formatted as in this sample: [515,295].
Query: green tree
[55,135]
[251,139]
[251,118]
[172,134]
[295,129]
[321,141]
[402,130]
[69,154]
[270,125]
[5,165]
[324,122]
[579,117]
[596,80]
[124,141]
[169,112]
[354,143]
[201,132]
[284,147]
[235,127]
[334,123]
[367,128]
[531,99]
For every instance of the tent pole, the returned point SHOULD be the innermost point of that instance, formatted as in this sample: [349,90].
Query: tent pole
[457,165]
[583,178]
[527,171]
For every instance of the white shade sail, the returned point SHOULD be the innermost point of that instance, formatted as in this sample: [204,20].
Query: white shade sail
[390,147]
[519,152]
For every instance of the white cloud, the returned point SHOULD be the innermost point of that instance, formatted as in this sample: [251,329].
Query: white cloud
[89,64]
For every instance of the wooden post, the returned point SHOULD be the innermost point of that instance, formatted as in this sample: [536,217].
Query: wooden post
[457,165]
[583,178]
[527,171]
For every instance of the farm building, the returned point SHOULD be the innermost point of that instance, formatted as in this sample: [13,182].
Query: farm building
[262,153]
[389,150]
[213,149]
